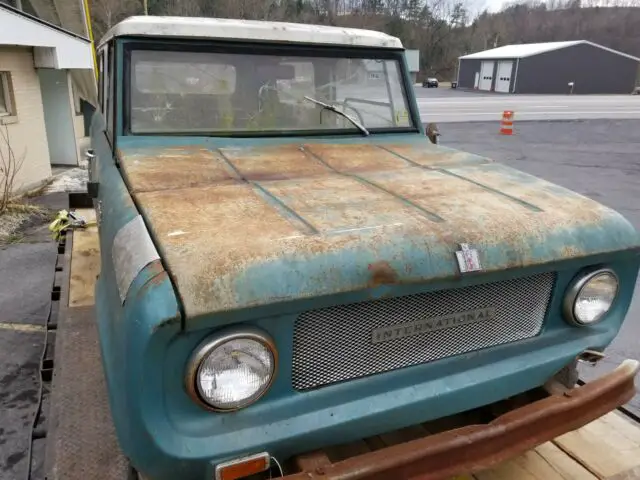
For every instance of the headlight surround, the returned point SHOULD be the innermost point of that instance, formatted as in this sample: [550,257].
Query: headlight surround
[231,370]
[590,297]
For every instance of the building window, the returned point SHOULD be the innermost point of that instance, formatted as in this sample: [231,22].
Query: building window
[6,95]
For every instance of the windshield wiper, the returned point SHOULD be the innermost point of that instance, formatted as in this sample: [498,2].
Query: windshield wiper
[332,108]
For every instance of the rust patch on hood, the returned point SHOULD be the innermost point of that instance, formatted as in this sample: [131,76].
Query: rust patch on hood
[476,215]
[273,163]
[382,274]
[527,188]
[283,224]
[179,167]
[434,156]
[335,203]
[356,158]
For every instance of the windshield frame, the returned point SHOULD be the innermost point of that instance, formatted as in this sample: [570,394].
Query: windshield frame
[239,47]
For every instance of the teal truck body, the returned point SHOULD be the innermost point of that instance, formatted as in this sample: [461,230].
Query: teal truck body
[388,281]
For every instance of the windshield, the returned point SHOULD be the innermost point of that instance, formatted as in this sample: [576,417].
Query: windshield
[205,92]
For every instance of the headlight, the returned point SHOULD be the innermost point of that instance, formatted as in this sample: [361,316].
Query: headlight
[232,370]
[590,297]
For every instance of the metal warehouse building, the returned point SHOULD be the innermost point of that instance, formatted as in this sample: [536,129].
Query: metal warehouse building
[549,68]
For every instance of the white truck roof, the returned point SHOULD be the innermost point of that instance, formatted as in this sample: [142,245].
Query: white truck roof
[232,29]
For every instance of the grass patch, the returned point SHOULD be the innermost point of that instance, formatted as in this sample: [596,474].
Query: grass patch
[10,222]
[25,208]
[18,215]
[12,238]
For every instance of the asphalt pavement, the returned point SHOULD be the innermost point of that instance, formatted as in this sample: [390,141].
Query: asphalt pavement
[452,105]
[26,281]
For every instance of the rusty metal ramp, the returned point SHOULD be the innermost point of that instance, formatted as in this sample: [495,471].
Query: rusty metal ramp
[81,441]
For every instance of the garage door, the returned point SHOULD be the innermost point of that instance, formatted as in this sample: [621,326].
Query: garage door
[503,81]
[486,75]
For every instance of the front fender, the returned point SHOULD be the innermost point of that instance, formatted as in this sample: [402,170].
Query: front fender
[130,338]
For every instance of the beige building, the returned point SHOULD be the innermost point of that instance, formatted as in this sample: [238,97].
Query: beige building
[43,73]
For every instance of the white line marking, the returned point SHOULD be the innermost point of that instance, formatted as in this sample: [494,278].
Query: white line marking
[469,114]
[21,327]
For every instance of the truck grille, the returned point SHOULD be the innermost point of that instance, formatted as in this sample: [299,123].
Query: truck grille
[336,343]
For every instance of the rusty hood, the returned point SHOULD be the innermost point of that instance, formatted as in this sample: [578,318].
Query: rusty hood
[242,227]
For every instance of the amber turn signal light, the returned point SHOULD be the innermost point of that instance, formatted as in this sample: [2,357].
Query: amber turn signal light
[243,467]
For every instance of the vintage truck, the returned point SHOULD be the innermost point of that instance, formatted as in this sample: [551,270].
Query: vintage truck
[294,282]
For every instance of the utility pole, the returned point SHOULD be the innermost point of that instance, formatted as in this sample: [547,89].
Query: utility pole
[146,6]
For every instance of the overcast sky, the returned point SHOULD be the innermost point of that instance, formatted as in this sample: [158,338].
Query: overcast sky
[493,5]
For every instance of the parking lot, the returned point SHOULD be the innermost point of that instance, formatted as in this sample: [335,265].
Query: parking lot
[445,104]
[595,157]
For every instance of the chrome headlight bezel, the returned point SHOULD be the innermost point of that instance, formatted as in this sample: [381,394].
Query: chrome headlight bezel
[208,345]
[576,286]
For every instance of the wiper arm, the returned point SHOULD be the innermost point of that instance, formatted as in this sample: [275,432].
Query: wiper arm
[332,108]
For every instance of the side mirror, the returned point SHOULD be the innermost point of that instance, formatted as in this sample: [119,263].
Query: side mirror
[433,133]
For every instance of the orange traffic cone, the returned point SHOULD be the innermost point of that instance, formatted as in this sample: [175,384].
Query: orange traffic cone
[506,124]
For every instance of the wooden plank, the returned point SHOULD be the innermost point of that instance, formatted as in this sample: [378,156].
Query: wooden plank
[566,466]
[546,462]
[89,214]
[623,425]
[633,474]
[608,447]
[85,262]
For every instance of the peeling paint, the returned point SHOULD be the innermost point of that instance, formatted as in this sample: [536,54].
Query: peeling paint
[277,223]
[179,167]
[382,274]
[273,163]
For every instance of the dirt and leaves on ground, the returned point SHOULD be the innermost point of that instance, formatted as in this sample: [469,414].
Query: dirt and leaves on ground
[22,214]
[17,212]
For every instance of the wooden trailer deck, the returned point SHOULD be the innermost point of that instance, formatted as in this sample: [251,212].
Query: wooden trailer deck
[82,445]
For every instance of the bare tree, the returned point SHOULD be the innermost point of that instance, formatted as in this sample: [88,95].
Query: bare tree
[441,29]
[106,13]
[10,166]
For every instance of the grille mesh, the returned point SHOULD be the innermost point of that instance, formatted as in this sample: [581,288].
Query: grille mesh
[334,344]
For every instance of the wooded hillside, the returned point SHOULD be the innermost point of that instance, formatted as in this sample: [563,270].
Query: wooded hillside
[441,29]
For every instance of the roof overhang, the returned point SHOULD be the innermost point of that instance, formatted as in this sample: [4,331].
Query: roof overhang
[525,50]
[53,46]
